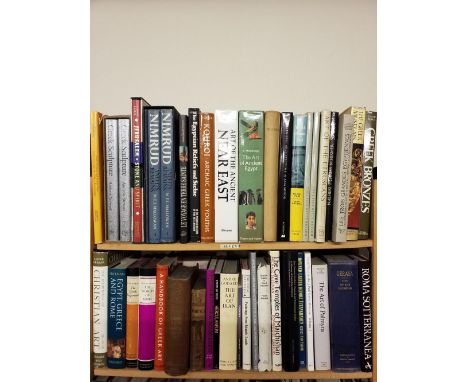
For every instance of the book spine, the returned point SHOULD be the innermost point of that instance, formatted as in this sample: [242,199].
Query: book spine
[251,132]
[116,318]
[264,317]
[112,180]
[226,197]
[342,178]
[207,213]
[344,316]
[334,120]
[270,175]
[301,310]
[307,176]
[209,318]
[160,327]
[132,321]
[184,182]
[194,168]
[246,318]
[275,311]
[354,204]
[315,119]
[297,177]
[125,205]
[322,176]
[97,167]
[137,172]
[365,314]
[100,298]
[153,175]
[239,326]
[146,321]
[254,311]
[368,165]
[168,176]
[197,329]
[228,322]
[217,297]
[284,175]
[309,312]
[321,317]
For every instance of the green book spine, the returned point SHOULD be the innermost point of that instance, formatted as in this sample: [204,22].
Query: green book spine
[251,133]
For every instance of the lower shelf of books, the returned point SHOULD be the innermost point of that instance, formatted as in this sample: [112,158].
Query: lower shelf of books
[235,374]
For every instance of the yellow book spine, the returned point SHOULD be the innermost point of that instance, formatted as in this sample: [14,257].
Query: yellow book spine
[295,218]
[97,170]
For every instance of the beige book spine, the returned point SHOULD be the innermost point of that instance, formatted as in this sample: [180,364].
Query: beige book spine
[228,322]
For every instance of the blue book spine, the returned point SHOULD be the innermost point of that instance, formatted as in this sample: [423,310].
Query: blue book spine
[116,318]
[168,178]
[153,175]
[343,286]
[301,305]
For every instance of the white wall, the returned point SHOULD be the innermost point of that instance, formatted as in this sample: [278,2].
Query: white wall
[280,55]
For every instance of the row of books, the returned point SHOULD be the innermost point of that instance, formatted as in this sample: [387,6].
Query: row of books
[259,312]
[232,176]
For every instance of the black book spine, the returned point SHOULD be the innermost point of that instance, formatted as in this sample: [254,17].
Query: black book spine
[183,169]
[334,121]
[365,313]
[284,175]
[289,312]
[194,177]
[216,321]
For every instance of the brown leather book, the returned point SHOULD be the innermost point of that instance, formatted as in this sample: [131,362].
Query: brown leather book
[197,327]
[207,177]
[179,295]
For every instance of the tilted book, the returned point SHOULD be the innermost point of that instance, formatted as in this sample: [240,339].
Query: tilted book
[251,132]
[270,175]
[299,141]
[197,323]
[254,308]
[226,176]
[301,309]
[322,176]
[207,213]
[342,177]
[331,173]
[307,175]
[321,314]
[112,178]
[137,169]
[125,202]
[209,313]
[228,315]
[284,175]
[368,165]
[309,317]
[217,299]
[354,204]
[184,229]
[264,315]
[275,310]
[97,171]
[246,316]
[194,172]
[314,119]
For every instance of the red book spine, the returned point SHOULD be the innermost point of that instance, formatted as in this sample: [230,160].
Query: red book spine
[137,170]
[161,296]
[207,213]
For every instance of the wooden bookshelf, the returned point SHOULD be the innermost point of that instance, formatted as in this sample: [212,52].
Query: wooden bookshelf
[235,374]
[263,246]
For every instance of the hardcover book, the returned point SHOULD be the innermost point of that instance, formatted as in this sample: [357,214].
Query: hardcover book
[207,213]
[112,178]
[275,310]
[239,325]
[251,132]
[226,175]
[184,180]
[307,176]
[334,120]
[217,299]
[209,313]
[284,175]
[194,171]
[309,318]
[137,169]
[97,172]
[264,315]
[301,310]
[125,203]
[270,174]
[197,322]
[254,310]
[246,316]
[314,119]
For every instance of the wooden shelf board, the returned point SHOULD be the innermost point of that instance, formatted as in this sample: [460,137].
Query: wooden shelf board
[273,245]
[235,374]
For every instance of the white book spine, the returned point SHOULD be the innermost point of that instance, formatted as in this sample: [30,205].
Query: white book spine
[246,326]
[100,281]
[125,205]
[275,311]
[321,316]
[322,179]
[309,312]
[112,179]
[264,316]
[228,321]
[226,176]
[314,171]
[342,178]
[308,164]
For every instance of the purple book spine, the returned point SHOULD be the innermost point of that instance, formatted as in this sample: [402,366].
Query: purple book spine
[146,319]
[209,319]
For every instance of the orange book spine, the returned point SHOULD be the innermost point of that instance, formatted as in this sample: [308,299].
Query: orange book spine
[160,330]
[207,177]
[97,174]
